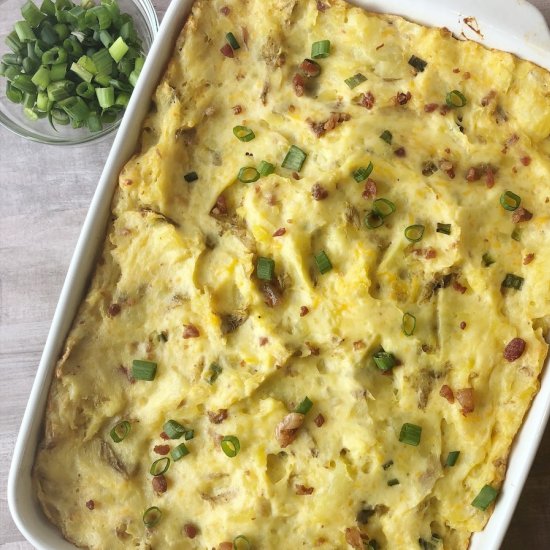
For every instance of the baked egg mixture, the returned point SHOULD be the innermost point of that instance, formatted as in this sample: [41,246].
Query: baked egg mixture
[319,315]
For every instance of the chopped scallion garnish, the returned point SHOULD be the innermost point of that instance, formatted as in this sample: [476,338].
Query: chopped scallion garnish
[444,228]
[191,176]
[151,516]
[320,49]
[510,201]
[243,133]
[230,37]
[144,370]
[361,174]
[452,457]
[241,543]
[393,482]
[410,434]
[173,429]
[487,259]
[305,406]
[265,168]
[179,452]
[408,324]
[417,63]
[512,281]
[414,233]
[160,466]
[485,498]
[230,445]
[384,360]
[373,220]
[455,99]
[383,207]
[248,174]
[118,49]
[516,234]
[387,464]
[294,159]
[355,80]
[323,262]
[189,434]
[386,136]
[265,268]
[213,372]
[120,431]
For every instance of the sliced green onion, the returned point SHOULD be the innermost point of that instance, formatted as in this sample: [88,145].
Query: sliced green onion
[455,99]
[30,65]
[105,97]
[54,55]
[173,429]
[323,262]
[13,42]
[191,177]
[410,434]
[189,434]
[42,77]
[48,35]
[122,99]
[387,464]
[105,38]
[230,445]
[118,49]
[12,59]
[393,482]
[120,431]
[42,101]
[248,174]
[243,133]
[151,516]
[510,201]
[24,83]
[48,7]
[452,457]
[320,49]
[213,372]
[373,220]
[408,324]
[60,90]
[373,545]
[85,90]
[444,228]
[24,31]
[386,136]
[31,114]
[266,168]
[58,72]
[265,268]
[103,62]
[179,452]
[160,466]
[305,406]
[417,63]
[486,496]
[487,259]
[361,174]
[512,281]
[94,122]
[230,37]
[144,370]
[29,100]
[414,233]
[384,360]
[516,234]
[355,80]
[83,73]
[98,17]
[32,14]
[76,108]
[294,159]
[62,30]
[383,207]
[241,543]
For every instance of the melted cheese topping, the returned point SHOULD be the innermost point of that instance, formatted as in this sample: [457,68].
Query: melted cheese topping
[176,255]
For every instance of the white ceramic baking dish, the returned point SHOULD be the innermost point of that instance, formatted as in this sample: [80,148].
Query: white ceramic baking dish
[511,25]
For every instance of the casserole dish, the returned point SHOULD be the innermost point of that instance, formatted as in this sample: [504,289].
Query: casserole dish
[84,259]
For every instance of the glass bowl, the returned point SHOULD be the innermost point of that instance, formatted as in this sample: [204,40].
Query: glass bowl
[12,116]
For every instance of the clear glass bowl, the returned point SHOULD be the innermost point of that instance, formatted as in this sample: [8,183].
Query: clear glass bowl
[12,116]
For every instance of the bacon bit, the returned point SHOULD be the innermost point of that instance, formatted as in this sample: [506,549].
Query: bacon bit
[272,293]
[447,393]
[127,182]
[218,417]
[304,310]
[237,109]
[161,449]
[457,70]
[263,341]
[465,397]
[488,98]
[313,350]
[514,349]
[321,6]
[318,192]
[473,174]
[521,215]
[462,325]
[287,430]
[489,178]
[447,167]
[369,192]
[220,208]
[444,109]
[303,490]
[319,420]
[225,546]
[159,483]
[190,331]
[380,46]
[467,75]
[354,539]
[225,10]
[296,176]
[90,504]
[526,161]
[227,51]
[400,152]
[402,98]
[514,138]
[321,128]
[429,253]
[459,288]
[367,100]
[528,259]
[164,435]
[190,530]
[113,310]
[309,68]
[430,107]
[359,344]
[299,84]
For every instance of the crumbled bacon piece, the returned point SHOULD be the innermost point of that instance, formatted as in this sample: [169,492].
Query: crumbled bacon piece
[225,546]
[263,341]
[113,310]
[456,70]
[465,397]
[318,192]
[429,253]
[321,6]
[309,68]
[430,107]
[296,176]
[462,325]
[447,167]
[447,393]
[220,208]
[467,75]
[287,430]
[227,51]
[444,109]
[319,420]
[369,192]
[354,539]
[303,490]
[159,483]
[514,349]
[190,331]
[90,504]
[217,417]
[237,109]
[489,178]
[190,530]
[528,259]
[164,435]
[458,287]
[488,98]
[367,100]
[161,449]
[526,160]
[299,84]
[521,215]
[304,310]
[359,344]
[225,10]
[400,152]
[280,232]
[473,174]
[272,293]
[402,98]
